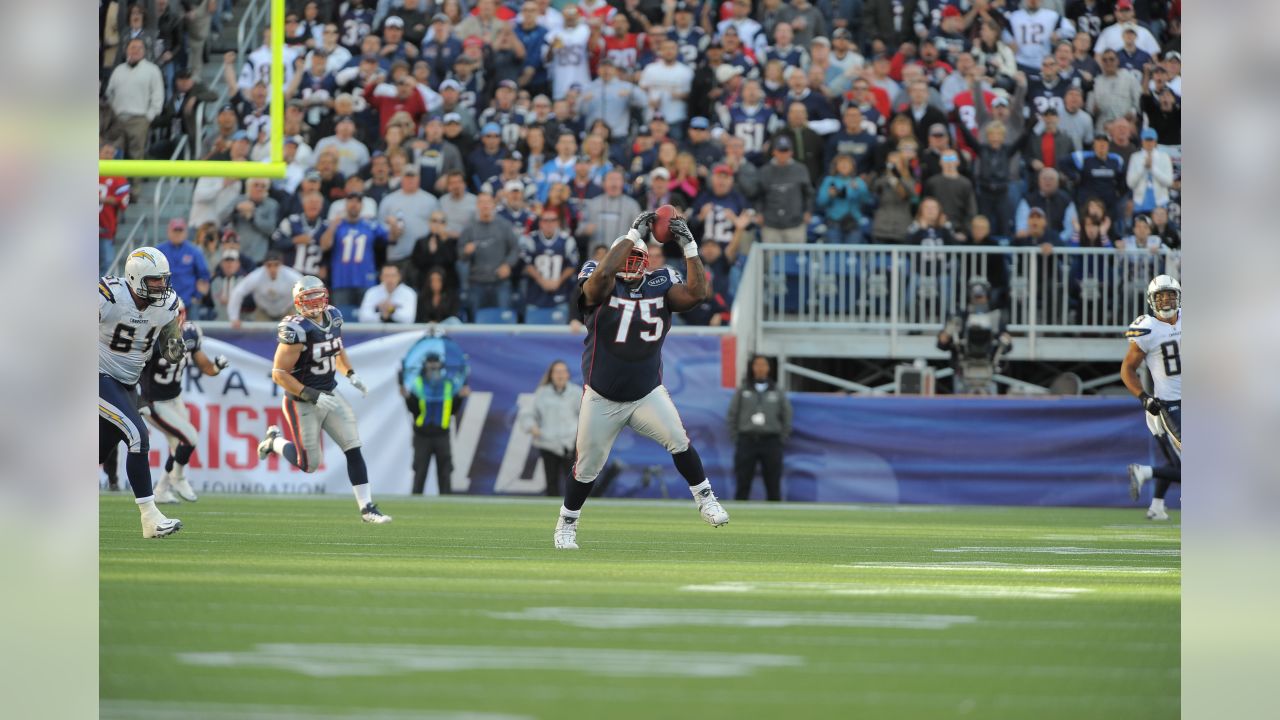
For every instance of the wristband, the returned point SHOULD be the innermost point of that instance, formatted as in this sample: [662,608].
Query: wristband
[690,250]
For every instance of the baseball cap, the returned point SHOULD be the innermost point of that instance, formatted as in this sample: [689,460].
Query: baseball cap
[1102,136]
[660,172]
[410,169]
[513,185]
[938,128]
[820,40]
[841,33]
[439,17]
[312,174]
[1148,134]
[227,108]
[1173,55]
[398,22]
[1036,211]
[293,139]
[726,72]
[239,135]
[1000,102]
[451,84]
[782,142]
[230,236]
[514,155]
[509,84]
[700,123]
[721,169]
[1124,4]
[491,129]
[950,11]
[177,224]
[273,256]
[1049,111]
[473,41]
[355,195]
[452,117]
[643,130]
[950,156]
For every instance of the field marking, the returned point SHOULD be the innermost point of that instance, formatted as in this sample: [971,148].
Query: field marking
[1140,537]
[335,660]
[631,618]
[1033,592]
[1064,550]
[165,710]
[982,566]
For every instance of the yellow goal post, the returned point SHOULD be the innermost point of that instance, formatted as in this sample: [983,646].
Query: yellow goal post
[214,168]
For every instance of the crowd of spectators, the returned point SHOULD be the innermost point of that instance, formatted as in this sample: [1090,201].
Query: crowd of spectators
[482,150]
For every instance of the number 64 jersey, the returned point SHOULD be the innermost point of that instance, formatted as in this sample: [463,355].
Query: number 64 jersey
[126,335]
[321,341]
[623,356]
[1162,344]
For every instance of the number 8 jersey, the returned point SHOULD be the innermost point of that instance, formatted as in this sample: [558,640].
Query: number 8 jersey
[1162,344]
[321,343]
[622,359]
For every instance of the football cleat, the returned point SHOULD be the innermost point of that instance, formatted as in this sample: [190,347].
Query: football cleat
[158,526]
[566,535]
[711,509]
[264,447]
[1138,474]
[183,488]
[1155,514]
[371,514]
[164,492]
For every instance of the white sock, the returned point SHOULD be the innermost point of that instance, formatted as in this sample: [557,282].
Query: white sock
[277,445]
[179,472]
[1157,504]
[147,505]
[704,485]
[566,512]
[363,495]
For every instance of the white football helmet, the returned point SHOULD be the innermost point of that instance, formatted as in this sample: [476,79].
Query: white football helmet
[310,296]
[1164,284]
[146,272]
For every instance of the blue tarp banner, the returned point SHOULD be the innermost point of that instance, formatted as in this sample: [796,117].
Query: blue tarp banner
[943,450]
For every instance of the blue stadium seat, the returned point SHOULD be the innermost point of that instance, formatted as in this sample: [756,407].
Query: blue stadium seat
[495,316]
[545,316]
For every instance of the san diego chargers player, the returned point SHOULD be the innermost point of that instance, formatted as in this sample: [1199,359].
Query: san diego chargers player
[1156,340]
[137,316]
[627,311]
[162,391]
[310,350]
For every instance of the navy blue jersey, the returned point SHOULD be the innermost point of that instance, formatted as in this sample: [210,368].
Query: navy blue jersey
[1041,97]
[320,345]
[162,380]
[354,25]
[352,253]
[306,259]
[862,146]
[753,125]
[794,56]
[511,121]
[549,257]
[623,356]
[690,44]
[717,225]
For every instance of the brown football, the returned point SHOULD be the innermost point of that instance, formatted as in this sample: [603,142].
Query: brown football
[662,223]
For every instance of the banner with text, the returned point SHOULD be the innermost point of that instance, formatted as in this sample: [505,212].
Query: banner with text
[1018,451]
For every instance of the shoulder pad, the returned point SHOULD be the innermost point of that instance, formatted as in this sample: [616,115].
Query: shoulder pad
[335,316]
[1140,326]
[676,277]
[290,332]
[587,268]
[191,336]
[105,290]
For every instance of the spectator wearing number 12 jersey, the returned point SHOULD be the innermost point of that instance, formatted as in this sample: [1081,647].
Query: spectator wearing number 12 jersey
[359,247]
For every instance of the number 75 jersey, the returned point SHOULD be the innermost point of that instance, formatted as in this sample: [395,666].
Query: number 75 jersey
[622,359]
[1162,344]
[321,342]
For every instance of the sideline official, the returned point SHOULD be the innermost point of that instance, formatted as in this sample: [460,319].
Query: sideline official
[759,423]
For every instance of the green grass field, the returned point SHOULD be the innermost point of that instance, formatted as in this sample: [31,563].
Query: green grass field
[292,608]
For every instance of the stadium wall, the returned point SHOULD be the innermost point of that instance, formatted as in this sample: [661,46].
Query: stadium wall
[943,450]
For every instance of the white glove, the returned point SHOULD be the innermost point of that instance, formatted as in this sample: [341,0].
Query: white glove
[221,362]
[358,384]
[328,402]
[636,238]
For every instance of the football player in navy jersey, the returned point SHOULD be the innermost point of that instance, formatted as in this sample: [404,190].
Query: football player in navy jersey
[627,311]
[161,390]
[309,352]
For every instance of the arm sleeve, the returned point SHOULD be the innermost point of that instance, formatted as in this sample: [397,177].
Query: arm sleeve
[407,309]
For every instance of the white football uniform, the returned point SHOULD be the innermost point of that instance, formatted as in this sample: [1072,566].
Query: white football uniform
[1032,32]
[126,335]
[1162,344]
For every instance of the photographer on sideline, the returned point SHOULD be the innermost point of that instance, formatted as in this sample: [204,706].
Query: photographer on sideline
[433,398]
[977,339]
[759,423]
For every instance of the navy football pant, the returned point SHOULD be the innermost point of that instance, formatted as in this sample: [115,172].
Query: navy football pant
[116,407]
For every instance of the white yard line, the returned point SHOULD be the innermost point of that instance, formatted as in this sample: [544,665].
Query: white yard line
[631,618]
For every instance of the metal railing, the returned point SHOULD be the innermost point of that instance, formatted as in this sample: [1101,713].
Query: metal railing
[1070,291]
